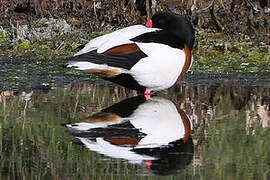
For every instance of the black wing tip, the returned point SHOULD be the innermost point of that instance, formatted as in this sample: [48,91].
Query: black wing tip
[69,64]
[65,65]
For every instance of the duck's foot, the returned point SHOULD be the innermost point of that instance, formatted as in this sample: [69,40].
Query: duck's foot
[147,94]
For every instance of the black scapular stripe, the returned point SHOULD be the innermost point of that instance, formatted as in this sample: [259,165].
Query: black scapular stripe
[126,107]
[126,61]
[162,37]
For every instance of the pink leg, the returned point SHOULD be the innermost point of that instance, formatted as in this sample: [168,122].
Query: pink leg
[147,94]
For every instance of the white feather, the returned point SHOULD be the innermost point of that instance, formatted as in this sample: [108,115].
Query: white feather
[161,68]
[103,147]
[81,126]
[84,126]
[116,38]
[85,65]
[160,121]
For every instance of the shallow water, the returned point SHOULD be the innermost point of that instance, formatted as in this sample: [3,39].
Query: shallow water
[188,132]
[40,75]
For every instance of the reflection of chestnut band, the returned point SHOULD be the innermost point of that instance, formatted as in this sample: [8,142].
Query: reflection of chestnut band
[123,141]
[186,123]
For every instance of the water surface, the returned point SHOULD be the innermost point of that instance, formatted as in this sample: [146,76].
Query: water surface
[223,132]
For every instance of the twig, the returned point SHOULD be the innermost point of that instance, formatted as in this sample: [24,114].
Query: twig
[95,11]
[147,9]
[62,43]
[253,7]
[206,8]
[216,22]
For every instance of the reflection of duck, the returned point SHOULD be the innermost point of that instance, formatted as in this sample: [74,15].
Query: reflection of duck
[153,131]
[144,58]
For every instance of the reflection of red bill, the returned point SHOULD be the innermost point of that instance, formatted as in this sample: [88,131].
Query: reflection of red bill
[148,163]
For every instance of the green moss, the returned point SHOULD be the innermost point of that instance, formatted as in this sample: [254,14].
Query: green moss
[60,47]
[22,47]
[3,38]
[230,62]
[214,53]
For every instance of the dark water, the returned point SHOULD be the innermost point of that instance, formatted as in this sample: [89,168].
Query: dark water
[90,130]
[37,75]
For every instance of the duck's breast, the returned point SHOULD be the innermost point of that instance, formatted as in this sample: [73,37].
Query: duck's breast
[161,68]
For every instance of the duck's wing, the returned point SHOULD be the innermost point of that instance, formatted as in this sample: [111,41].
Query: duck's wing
[115,39]
[120,49]
[114,115]
[123,57]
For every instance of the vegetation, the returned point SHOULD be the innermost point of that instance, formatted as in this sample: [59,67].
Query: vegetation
[216,53]
[35,31]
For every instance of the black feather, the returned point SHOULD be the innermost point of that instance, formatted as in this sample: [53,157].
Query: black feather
[162,37]
[127,81]
[80,47]
[126,107]
[126,61]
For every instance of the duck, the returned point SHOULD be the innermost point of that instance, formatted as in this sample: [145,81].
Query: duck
[125,131]
[146,58]
[137,115]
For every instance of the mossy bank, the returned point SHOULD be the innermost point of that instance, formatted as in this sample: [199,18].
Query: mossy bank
[213,52]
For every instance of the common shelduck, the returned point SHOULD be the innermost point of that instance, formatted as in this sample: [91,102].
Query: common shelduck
[144,58]
[146,131]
